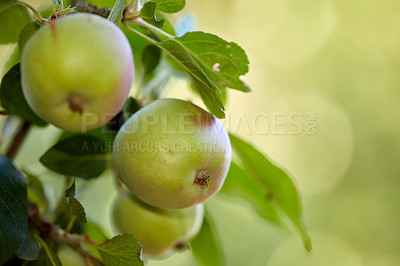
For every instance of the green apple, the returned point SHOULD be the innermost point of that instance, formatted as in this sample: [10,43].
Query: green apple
[77,71]
[172,154]
[161,232]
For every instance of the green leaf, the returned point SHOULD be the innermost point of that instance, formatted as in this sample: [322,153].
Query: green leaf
[15,58]
[26,33]
[12,97]
[137,44]
[207,89]
[51,258]
[70,192]
[13,209]
[206,247]
[36,191]
[154,74]
[13,19]
[80,156]
[223,62]
[29,250]
[148,14]
[116,13]
[95,232]
[239,183]
[121,250]
[76,207]
[210,99]
[152,85]
[279,185]
[130,107]
[105,133]
[169,26]
[170,6]
[224,95]
[151,57]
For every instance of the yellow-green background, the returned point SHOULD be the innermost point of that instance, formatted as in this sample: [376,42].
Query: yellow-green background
[337,58]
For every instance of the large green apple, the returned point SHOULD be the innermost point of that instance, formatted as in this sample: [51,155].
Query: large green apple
[172,154]
[77,71]
[161,232]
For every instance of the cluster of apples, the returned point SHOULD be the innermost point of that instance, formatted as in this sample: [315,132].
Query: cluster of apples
[171,155]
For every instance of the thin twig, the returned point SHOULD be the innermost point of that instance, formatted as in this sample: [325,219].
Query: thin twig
[54,232]
[18,140]
[85,7]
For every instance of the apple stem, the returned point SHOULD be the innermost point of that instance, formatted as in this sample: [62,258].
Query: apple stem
[55,11]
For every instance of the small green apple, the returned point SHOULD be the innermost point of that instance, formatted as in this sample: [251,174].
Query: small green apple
[77,71]
[161,232]
[172,154]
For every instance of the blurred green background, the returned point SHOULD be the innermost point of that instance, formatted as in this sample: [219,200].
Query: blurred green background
[339,60]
